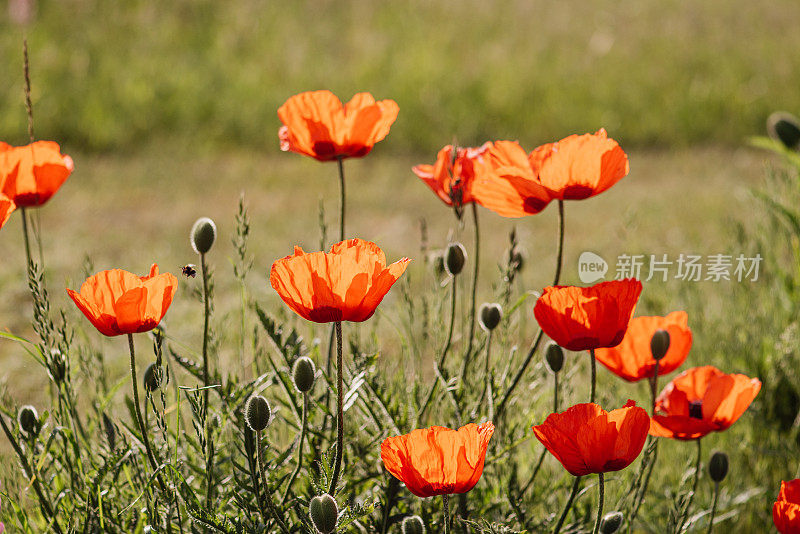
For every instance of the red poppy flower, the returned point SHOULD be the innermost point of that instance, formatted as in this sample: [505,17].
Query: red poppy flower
[451,178]
[346,284]
[31,174]
[118,302]
[579,166]
[587,439]
[438,460]
[315,123]
[702,400]
[633,360]
[583,318]
[786,510]
[506,184]
[6,207]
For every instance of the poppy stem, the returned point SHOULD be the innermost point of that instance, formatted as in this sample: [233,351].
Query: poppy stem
[560,256]
[446,512]
[268,494]
[339,160]
[601,488]
[27,240]
[139,418]
[476,262]
[207,383]
[339,410]
[594,375]
[555,392]
[544,451]
[713,508]
[685,514]
[572,493]
[445,350]
[487,388]
[26,71]
[654,389]
[296,471]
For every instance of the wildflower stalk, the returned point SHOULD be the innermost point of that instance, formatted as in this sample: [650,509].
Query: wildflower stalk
[685,514]
[476,262]
[568,505]
[446,512]
[339,161]
[207,383]
[539,462]
[26,239]
[339,410]
[267,493]
[594,375]
[601,488]
[487,386]
[713,508]
[303,423]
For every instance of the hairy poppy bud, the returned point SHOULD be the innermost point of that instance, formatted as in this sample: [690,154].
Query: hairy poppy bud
[718,466]
[303,374]
[610,523]
[490,316]
[58,366]
[659,344]
[413,525]
[324,513]
[784,127]
[554,357]
[257,413]
[28,419]
[204,233]
[455,258]
[153,377]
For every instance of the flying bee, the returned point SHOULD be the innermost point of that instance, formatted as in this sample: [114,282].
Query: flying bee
[189,270]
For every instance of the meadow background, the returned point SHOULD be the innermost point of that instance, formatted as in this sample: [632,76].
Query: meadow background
[169,111]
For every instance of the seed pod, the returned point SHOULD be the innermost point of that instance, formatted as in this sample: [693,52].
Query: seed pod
[153,377]
[204,233]
[257,413]
[413,525]
[718,466]
[490,316]
[554,357]
[324,513]
[659,344]
[455,257]
[303,374]
[784,127]
[610,523]
[28,419]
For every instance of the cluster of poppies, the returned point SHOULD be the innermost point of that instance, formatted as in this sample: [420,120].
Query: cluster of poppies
[349,282]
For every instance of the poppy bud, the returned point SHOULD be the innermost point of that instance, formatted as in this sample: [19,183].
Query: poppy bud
[324,513]
[204,233]
[659,344]
[490,316]
[28,420]
[303,374]
[718,466]
[554,357]
[257,413]
[413,525]
[153,377]
[455,258]
[58,366]
[784,127]
[610,523]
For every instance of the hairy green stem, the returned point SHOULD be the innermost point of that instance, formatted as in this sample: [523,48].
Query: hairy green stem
[601,489]
[445,350]
[303,422]
[341,198]
[713,508]
[267,493]
[339,410]
[446,512]
[685,514]
[475,268]
[207,383]
[539,462]
[573,492]
[594,375]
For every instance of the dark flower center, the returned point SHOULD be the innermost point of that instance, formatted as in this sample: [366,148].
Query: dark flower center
[696,409]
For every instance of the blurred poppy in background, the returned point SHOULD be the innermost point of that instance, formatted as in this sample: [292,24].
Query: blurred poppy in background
[31,174]
[452,175]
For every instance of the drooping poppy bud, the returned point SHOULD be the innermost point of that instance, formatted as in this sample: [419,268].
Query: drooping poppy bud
[455,258]
[28,419]
[204,233]
[718,466]
[413,525]
[490,316]
[257,413]
[303,374]
[324,513]
[659,344]
[610,523]
[784,127]
[554,358]
[153,377]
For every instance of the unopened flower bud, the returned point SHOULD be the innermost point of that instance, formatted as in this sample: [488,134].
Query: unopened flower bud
[413,525]
[784,127]
[58,366]
[257,413]
[490,316]
[554,357]
[303,374]
[610,523]
[455,258]
[718,466]
[324,513]
[204,233]
[659,344]
[28,419]
[153,377]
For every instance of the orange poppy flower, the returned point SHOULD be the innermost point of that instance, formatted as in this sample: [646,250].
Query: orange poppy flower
[118,302]
[451,178]
[346,284]
[6,207]
[506,184]
[587,439]
[31,174]
[438,460]
[786,510]
[633,360]
[579,166]
[315,123]
[702,400]
[583,318]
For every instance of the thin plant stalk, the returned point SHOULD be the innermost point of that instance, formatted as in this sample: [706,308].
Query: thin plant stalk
[342,197]
[713,508]
[685,514]
[594,375]
[339,410]
[539,462]
[207,382]
[487,387]
[267,493]
[446,349]
[303,423]
[446,512]
[601,488]
[573,492]
[476,266]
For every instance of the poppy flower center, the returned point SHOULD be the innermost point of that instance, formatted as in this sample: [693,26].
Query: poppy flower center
[696,409]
